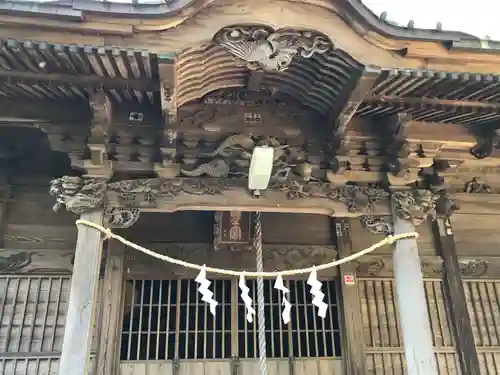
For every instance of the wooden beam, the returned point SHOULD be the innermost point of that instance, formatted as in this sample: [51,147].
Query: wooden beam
[63,111]
[410,102]
[112,305]
[168,147]
[412,302]
[88,81]
[355,360]
[455,297]
[211,194]
[357,91]
[98,143]
[82,300]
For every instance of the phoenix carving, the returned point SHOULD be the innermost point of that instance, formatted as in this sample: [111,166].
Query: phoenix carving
[264,49]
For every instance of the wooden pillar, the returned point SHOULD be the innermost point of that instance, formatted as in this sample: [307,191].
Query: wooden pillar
[455,297]
[412,303]
[82,300]
[4,197]
[354,347]
[112,308]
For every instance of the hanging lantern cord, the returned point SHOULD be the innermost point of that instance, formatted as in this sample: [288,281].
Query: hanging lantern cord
[257,243]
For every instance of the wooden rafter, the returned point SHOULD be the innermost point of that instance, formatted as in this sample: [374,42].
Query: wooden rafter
[420,102]
[91,81]
[355,98]
[354,94]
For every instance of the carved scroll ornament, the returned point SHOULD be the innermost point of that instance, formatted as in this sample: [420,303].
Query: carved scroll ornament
[416,205]
[77,194]
[476,186]
[262,48]
[377,224]
[121,217]
[146,193]
[431,267]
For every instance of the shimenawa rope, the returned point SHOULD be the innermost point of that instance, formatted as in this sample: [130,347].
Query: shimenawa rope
[390,239]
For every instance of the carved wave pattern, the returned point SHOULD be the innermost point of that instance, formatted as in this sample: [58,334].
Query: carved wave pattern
[317,81]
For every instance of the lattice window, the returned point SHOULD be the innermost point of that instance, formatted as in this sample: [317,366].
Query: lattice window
[32,313]
[306,335]
[32,317]
[168,320]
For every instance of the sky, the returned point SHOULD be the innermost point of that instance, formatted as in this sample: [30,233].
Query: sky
[477,17]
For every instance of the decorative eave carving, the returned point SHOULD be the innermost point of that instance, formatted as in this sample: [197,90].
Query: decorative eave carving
[262,48]
[147,193]
[77,194]
[415,205]
[476,186]
[80,195]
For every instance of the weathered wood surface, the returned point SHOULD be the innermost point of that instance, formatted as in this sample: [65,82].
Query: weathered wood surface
[362,239]
[476,235]
[41,261]
[382,330]
[237,198]
[413,311]
[31,222]
[112,293]
[457,307]
[482,303]
[33,312]
[82,302]
[197,226]
[173,34]
[276,257]
[274,367]
[290,120]
[354,345]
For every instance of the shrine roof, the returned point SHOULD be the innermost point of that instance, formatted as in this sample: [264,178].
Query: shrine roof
[360,10]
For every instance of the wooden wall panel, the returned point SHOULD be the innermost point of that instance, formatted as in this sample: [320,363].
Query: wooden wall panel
[31,223]
[489,362]
[274,367]
[476,235]
[383,337]
[394,364]
[362,239]
[197,226]
[483,303]
[380,314]
[32,319]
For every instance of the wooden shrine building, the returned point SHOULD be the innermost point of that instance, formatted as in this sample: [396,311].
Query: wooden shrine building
[144,118]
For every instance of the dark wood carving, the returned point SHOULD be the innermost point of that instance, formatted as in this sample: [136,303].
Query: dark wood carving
[237,257]
[36,262]
[263,112]
[432,267]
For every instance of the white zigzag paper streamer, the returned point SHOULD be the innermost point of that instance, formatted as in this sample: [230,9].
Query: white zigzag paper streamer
[245,296]
[207,295]
[287,307]
[318,295]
